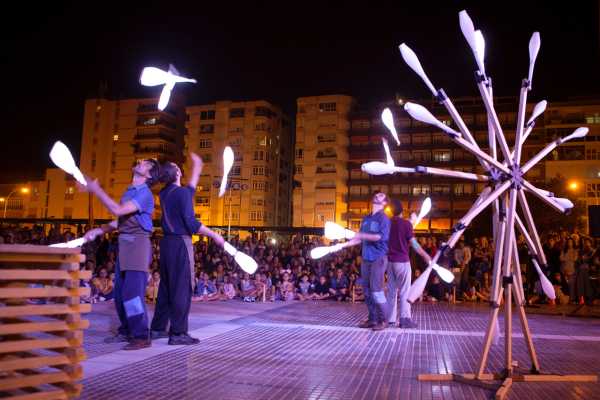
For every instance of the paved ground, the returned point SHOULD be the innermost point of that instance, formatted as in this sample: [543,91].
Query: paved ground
[314,351]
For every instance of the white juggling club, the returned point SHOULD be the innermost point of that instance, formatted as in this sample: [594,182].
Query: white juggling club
[388,121]
[246,263]
[228,158]
[425,208]
[63,159]
[334,231]
[152,76]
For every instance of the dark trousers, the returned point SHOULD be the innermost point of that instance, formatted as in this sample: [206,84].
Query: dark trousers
[372,275]
[175,287]
[130,292]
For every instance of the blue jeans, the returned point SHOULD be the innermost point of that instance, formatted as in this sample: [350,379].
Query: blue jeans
[130,292]
[372,273]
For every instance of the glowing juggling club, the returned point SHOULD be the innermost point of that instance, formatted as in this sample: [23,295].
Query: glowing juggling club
[418,286]
[379,168]
[547,286]
[413,219]
[152,76]
[63,159]
[228,158]
[71,244]
[537,111]
[411,59]
[334,231]
[425,208]
[534,48]
[564,203]
[388,121]
[422,114]
[246,263]
[389,167]
[322,251]
[577,134]
[474,39]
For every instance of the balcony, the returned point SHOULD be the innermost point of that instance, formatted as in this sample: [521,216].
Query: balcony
[154,136]
[162,150]
[321,154]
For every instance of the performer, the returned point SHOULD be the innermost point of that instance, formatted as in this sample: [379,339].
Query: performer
[177,253]
[374,233]
[398,268]
[134,223]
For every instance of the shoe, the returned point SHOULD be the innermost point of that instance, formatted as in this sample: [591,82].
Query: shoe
[183,339]
[118,338]
[380,326]
[158,335]
[246,299]
[367,324]
[407,323]
[393,324]
[138,344]
[252,299]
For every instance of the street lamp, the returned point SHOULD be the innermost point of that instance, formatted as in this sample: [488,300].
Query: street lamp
[23,190]
[573,185]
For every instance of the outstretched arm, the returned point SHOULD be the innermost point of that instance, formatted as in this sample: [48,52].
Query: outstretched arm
[197,165]
[211,234]
[417,247]
[115,208]
[101,230]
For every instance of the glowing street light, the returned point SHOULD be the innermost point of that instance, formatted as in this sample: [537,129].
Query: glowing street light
[573,185]
[23,190]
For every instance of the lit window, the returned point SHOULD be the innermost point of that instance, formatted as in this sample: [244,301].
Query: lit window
[115,137]
[327,107]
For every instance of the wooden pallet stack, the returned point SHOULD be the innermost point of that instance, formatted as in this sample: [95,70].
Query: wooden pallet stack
[41,330]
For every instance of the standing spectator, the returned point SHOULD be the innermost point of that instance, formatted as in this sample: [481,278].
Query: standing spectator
[569,258]
[462,257]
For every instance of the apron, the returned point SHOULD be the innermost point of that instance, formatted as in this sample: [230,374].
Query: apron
[135,249]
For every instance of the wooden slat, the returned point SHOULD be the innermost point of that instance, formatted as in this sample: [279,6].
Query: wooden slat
[36,249]
[50,259]
[50,395]
[555,378]
[42,275]
[36,380]
[14,346]
[47,309]
[45,265]
[52,326]
[20,361]
[13,293]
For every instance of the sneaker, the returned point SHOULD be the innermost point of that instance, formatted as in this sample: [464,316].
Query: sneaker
[252,299]
[367,324]
[407,323]
[183,339]
[138,344]
[118,338]
[393,324]
[380,326]
[246,299]
[158,335]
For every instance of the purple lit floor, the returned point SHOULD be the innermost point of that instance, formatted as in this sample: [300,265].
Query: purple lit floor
[314,351]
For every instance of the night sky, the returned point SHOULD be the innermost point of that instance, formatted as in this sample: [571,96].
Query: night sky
[55,56]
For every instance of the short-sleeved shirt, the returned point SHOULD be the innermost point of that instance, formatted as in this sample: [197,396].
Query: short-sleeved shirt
[142,197]
[401,232]
[178,217]
[378,224]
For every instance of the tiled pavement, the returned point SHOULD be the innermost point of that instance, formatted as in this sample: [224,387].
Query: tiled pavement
[314,351]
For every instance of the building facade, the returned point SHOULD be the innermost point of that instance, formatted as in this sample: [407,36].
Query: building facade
[321,157]
[260,135]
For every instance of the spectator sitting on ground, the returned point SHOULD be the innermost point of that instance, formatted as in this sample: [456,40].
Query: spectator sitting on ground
[103,286]
[321,289]
[339,285]
[287,288]
[206,290]
[304,290]
[356,288]
[228,291]
[152,288]
[248,289]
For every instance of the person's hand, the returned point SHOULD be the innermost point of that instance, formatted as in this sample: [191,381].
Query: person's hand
[92,234]
[196,160]
[93,186]
[219,240]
